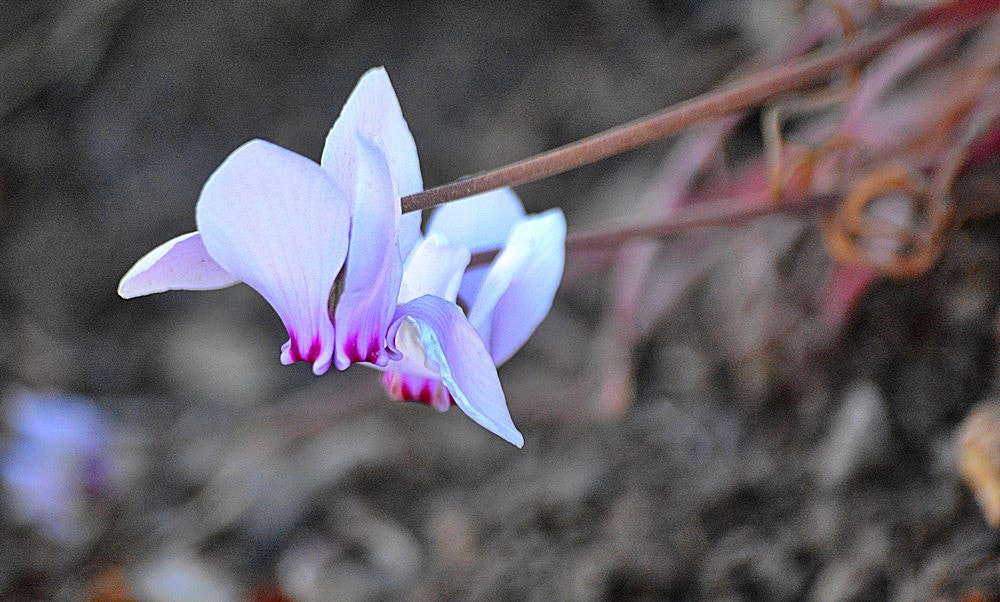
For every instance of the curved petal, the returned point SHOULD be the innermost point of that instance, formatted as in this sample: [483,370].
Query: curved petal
[412,377]
[479,222]
[482,221]
[452,347]
[405,386]
[404,336]
[518,289]
[433,268]
[373,111]
[374,267]
[278,222]
[181,263]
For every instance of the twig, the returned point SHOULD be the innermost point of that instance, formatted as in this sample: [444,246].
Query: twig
[738,96]
[707,213]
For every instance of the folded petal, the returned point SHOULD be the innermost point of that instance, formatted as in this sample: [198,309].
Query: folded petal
[374,267]
[412,377]
[479,222]
[518,289]
[451,347]
[181,263]
[433,268]
[422,389]
[278,222]
[373,111]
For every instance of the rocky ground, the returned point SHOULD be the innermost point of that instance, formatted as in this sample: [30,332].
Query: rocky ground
[209,471]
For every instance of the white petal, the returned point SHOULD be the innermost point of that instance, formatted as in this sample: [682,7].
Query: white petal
[374,266]
[278,222]
[479,222]
[450,344]
[519,287]
[181,263]
[373,111]
[433,268]
[409,231]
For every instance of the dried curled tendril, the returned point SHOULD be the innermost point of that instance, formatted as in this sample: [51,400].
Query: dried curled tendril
[890,221]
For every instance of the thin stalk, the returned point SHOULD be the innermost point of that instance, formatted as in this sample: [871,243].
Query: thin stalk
[977,148]
[738,96]
[707,213]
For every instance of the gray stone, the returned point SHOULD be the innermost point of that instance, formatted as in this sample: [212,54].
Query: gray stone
[857,438]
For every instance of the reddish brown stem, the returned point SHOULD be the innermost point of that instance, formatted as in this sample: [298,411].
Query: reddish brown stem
[707,213]
[737,96]
[731,211]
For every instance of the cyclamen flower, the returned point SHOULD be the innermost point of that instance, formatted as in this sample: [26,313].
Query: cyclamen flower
[287,226]
[281,223]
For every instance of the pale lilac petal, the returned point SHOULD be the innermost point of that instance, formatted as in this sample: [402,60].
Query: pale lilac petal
[433,268]
[409,231]
[480,222]
[278,222]
[374,266]
[451,346]
[518,289]
[373,111]
[181,263]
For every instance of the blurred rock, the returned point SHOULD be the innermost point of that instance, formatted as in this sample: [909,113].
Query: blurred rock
[745,561]
[183,577]
[303,567]
[859,574]
[388,546]
[964,568]
[210,357]
[683,369]
[263,479]
[314,570]
[452,535]
[64,49]
[857,439]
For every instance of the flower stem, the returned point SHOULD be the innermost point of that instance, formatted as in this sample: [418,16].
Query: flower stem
[706,213]
[978,146]
[738,96]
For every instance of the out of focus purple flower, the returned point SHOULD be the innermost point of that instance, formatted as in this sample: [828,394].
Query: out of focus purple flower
[57,459]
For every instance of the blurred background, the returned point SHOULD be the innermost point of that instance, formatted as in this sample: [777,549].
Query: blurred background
[155,449]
